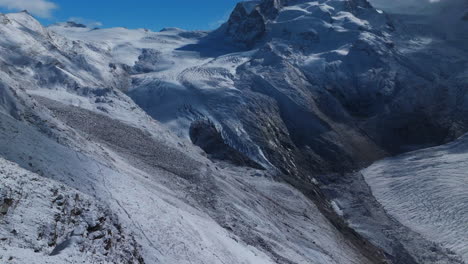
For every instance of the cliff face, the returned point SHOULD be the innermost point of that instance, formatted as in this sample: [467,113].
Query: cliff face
[246,25]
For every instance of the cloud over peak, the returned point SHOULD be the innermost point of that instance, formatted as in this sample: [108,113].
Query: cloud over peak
[415,6]
[41,8]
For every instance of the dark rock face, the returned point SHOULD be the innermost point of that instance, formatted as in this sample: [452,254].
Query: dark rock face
[148,61]
[7,101]
[270,8]
[249,26]
[74,24]
[244,27]
[204,134]
[5,205]
[312,135]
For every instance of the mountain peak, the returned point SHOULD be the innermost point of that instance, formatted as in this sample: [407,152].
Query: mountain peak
[26,20]
[246,24]
[70,24]
[282,19]
[74,24]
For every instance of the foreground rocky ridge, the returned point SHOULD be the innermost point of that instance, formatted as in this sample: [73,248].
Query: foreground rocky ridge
[298,91]
[47,222]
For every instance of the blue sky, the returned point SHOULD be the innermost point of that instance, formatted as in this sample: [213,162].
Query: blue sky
[151,14]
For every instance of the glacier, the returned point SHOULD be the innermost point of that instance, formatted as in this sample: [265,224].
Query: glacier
[427,191]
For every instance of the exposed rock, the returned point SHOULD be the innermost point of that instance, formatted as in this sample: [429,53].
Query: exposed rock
[204,134]
[244,26]
[46,211]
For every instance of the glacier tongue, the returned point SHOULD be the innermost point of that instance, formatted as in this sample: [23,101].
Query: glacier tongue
[427,191]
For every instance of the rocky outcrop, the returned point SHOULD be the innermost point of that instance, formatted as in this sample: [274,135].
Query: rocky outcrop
[246,26]
[204,134]
[46,218]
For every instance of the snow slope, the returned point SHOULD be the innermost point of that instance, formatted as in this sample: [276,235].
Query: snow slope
[212,219]
[427,191]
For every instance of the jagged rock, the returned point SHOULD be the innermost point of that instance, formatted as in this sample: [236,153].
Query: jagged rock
[246,26]
[204,134]
[58,229]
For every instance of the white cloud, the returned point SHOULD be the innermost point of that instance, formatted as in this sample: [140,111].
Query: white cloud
[41,8]
[411,6]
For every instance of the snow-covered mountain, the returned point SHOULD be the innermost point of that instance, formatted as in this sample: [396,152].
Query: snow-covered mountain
[239,145]
[65,117]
